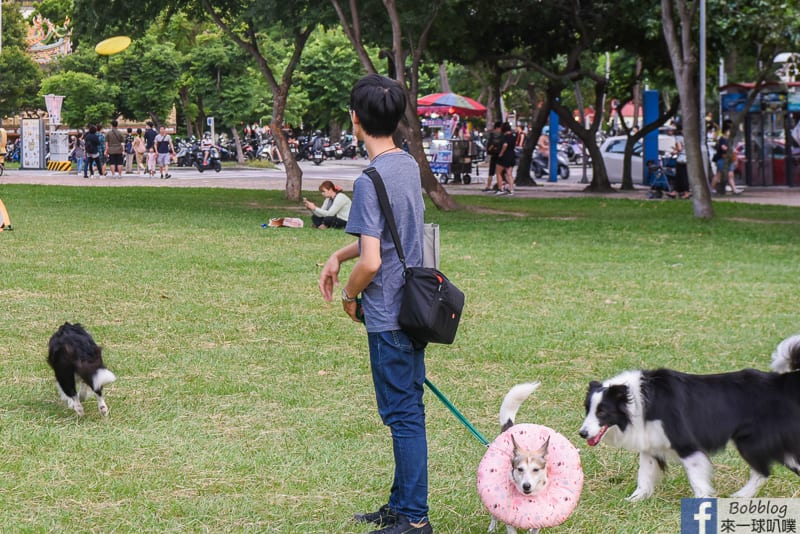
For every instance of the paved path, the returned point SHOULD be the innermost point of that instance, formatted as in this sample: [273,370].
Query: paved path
[343,172]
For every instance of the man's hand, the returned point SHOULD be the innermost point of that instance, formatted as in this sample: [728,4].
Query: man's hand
[350,309]
[329,278]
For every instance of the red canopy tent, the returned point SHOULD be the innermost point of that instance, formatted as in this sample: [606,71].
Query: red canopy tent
[444,103]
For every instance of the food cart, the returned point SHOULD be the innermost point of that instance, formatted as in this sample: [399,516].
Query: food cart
[451,160]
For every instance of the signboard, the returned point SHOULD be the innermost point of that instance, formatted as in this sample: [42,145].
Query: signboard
[53,103]
[793,101]
[59,146]
[33,149]
[773,102]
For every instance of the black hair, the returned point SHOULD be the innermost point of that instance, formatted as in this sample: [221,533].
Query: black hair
[379,102]
[114,123]
[497,124]
[506,127]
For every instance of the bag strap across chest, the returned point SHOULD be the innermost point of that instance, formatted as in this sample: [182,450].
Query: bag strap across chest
[383,200]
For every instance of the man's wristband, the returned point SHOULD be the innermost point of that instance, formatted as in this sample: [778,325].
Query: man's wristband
[346,297]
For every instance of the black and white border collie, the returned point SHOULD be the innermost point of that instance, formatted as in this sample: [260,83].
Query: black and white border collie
[75,357]
[665,414]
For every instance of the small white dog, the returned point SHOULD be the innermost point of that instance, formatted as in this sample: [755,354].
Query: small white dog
[528,468]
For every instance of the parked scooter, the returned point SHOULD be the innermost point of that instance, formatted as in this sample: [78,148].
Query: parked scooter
[541,166]
[573,149]
[185,152]
[318,156]
[318,148]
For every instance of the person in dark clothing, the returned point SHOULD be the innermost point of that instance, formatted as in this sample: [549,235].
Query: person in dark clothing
[494,142]
[506,159]
[91,145]
[149,136]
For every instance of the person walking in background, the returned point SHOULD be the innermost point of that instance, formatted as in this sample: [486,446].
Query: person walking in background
[681,188]
[101,139]
[129,155]
[91,145]
[726,161]
[115,149]
[506,159]
[78,152]
[140,151]
[519,141]
[149,136]
[164,148]
[152,162]
[543,148]
[335,209]
[494,141]
[377,104]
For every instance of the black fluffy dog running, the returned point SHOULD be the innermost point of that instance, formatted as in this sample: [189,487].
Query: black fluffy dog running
[74,356]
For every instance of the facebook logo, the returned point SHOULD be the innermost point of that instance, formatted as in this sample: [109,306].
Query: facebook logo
[698,516]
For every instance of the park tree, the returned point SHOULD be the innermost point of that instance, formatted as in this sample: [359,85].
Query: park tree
[20,76]
[142,79]
[763,27]
[146,77]
[404,50]
[54,10]
[87,99]
[555,44]
[220,82]
[678,18]
[328,70]
[250,24]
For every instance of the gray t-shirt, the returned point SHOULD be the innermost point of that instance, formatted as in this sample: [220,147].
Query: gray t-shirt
[400,173]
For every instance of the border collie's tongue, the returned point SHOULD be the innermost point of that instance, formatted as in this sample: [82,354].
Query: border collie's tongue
[596,439]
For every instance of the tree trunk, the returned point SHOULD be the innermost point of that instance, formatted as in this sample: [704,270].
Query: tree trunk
[600,182]
[238,144]
[280,91]
[294,174]
[540,116]
[684,63]
[444,82]
[411,129]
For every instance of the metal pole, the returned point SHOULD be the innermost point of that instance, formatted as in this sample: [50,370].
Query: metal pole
[702,64]
[703,133]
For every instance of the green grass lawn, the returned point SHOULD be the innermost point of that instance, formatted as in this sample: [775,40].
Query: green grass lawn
[244,402]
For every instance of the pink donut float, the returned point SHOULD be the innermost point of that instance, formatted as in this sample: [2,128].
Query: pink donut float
[549,507]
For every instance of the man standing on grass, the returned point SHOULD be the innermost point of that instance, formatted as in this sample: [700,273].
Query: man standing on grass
[398,363]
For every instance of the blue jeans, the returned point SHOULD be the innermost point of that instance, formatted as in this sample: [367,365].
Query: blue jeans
[398,373]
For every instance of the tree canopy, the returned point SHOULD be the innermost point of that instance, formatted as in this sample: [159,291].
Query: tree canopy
[293,61]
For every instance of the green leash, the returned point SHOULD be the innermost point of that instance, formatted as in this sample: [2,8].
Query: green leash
[455,412]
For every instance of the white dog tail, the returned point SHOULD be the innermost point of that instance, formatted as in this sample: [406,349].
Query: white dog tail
[102,377]
[786,357]
[513,400]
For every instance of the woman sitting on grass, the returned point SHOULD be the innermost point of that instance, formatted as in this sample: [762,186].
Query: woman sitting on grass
[335,209]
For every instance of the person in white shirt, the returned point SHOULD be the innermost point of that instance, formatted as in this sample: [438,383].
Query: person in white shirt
[335,210]
[206,145]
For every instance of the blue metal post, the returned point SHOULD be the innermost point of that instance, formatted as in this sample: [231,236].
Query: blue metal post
[650,140]
[553,147]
